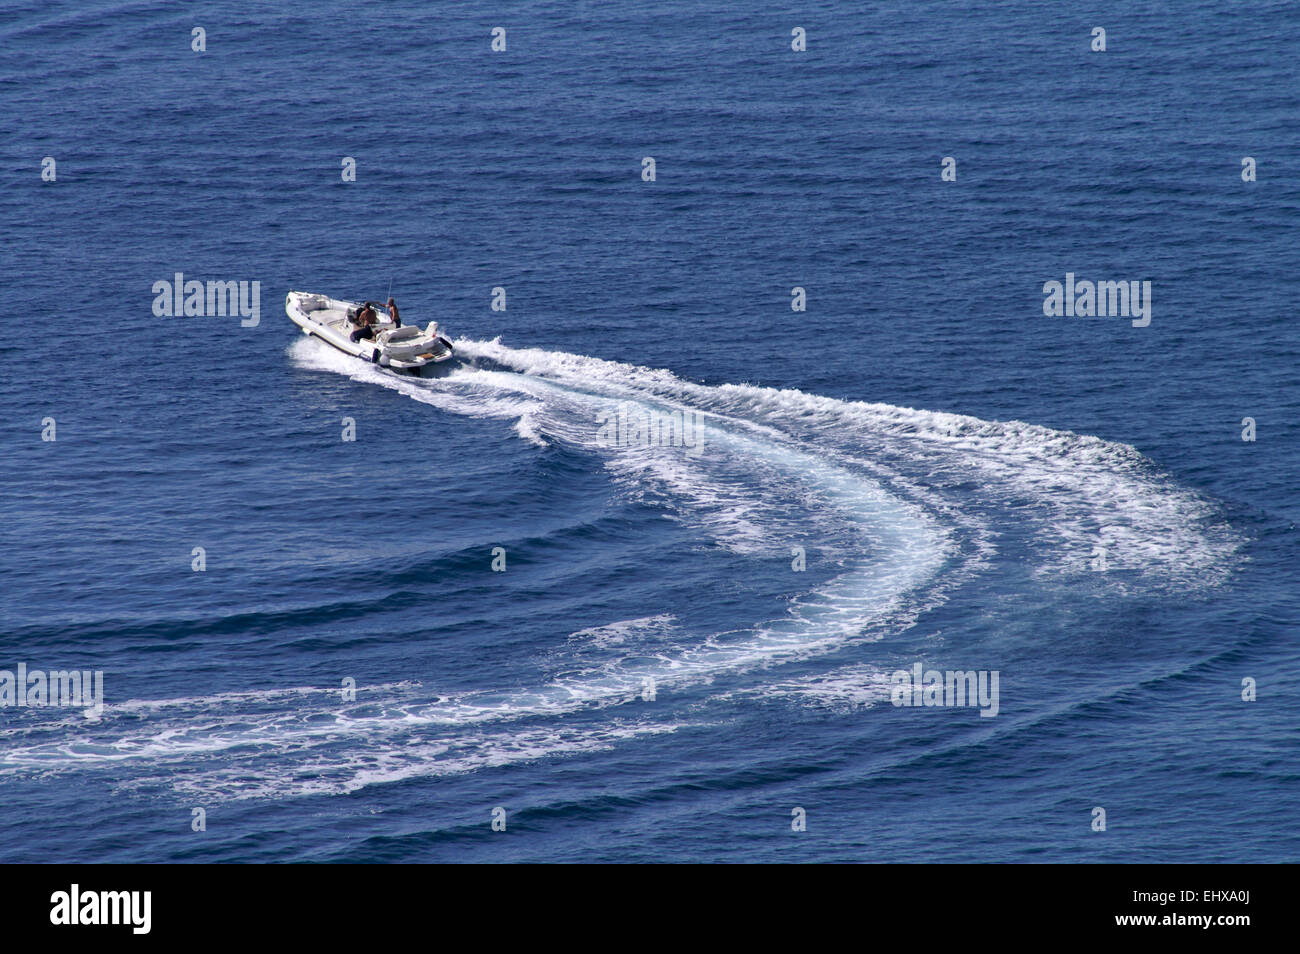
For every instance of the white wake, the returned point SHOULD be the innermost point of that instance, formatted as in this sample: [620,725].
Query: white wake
[903,504]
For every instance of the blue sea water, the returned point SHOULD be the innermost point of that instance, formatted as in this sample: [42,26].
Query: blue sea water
[949,459]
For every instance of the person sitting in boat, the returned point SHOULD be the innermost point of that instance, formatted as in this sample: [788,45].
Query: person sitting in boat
[365,320]
[392,313]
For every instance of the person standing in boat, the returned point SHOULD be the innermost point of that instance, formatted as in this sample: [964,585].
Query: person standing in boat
[366,319]
[392,313]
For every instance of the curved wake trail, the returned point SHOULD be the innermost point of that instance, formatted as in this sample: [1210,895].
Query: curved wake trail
[1082,491]
[903,504]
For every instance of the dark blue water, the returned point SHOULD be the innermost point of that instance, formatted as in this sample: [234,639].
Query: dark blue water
[949,458]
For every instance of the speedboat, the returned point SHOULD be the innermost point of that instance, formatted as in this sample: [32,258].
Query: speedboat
[408,348]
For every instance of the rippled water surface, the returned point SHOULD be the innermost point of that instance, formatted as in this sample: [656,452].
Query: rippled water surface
[651,678]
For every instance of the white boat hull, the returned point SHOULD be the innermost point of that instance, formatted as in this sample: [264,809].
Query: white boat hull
[407,349]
